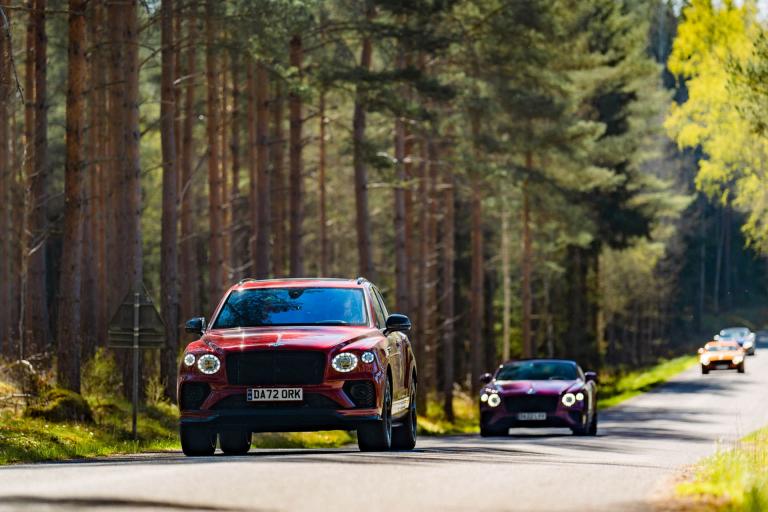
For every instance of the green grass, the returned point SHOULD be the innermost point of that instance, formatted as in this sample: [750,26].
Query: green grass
[616,388]
[466,418]
[732,479]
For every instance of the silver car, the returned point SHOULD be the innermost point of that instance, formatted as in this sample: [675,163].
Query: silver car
[741,335]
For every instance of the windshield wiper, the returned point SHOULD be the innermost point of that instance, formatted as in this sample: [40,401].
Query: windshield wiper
[332,322]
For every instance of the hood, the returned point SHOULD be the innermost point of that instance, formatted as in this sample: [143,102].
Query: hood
[541,387]
[293,337]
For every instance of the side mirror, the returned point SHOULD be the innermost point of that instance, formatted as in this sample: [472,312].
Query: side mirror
[195,325]
[398,323]
[717,337]
[486,378]
[590,377]
[701,351]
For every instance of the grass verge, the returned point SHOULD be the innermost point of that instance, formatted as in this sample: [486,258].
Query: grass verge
[616,388]
[732,479]
[466,417]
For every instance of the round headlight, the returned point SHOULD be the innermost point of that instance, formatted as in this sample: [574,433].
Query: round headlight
[484,397]
[208,364]
[737,360]
[494,400]
[579,396]
[705,360]
[367,357]
[189,359]
[345,362]
[569,399]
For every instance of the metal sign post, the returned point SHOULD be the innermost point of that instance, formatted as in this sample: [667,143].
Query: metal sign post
[136,325]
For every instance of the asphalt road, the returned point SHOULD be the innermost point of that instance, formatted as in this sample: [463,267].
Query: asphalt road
[640,446]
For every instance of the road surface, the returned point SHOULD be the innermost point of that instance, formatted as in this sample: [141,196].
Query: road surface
[640,445]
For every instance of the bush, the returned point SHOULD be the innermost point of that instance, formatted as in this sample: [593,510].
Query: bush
[61,405]
[100,377]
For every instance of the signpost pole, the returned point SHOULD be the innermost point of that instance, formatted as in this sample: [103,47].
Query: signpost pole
[136,308]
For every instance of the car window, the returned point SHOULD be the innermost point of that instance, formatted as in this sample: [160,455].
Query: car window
[537,370]
[722,348]
[258,307]
[381,301]
[381,318]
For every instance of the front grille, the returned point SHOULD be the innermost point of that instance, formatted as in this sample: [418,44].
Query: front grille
[275,367]
[311,401]
[193,394]
[531,403]
[361,392]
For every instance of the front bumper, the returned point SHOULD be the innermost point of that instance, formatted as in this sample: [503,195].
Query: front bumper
[500,418]
[281,420]
[721,365]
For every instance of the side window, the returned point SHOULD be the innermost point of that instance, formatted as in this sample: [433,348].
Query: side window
[381,301]
[380,316]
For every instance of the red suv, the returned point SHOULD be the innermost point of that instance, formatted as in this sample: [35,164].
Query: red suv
[298,355]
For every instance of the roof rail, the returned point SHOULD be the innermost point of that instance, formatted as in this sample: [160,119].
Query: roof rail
[246,280]
[361,280]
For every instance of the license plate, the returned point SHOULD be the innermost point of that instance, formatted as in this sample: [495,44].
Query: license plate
[531,416]
[722,366]
[275,395]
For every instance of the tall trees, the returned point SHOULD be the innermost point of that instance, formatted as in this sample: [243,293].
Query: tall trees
[69,333]
[169,252]
[296,174]
[215,242]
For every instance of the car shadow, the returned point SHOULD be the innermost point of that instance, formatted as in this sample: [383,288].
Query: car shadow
[20,502]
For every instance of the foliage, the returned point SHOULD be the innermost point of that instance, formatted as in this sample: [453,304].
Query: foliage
[620,386]
[735,478]
[100,375]
[61,405]
[466,417]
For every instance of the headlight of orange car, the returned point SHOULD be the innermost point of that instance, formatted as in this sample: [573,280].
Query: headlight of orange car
[738,359]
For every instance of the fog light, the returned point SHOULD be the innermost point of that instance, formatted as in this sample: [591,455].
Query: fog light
[367,357]
[579,396]
[494,400]
[345,362]
[189,359]
[208,364]
[569,399]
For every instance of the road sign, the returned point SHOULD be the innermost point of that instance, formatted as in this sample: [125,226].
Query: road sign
[136,324]
[150,324]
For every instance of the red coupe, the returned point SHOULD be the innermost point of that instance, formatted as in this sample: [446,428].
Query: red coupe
[298,355]
[539,393]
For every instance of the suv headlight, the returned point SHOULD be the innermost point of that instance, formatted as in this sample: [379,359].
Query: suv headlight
[568,399]
[208,364]
[344,362]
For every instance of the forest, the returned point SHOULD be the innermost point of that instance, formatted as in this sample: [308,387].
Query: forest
[568,178]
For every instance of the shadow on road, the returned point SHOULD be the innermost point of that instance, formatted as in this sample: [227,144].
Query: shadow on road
[22,502]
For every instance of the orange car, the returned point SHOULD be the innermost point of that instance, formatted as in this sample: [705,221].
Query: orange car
[721,355]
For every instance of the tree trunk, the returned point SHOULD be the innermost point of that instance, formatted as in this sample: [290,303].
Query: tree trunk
[215,258]
[36,331]
[191,305]
[131,141]
[225,190]
[169,242]
[296,164]
[69,328]
[260,192]
[702,269]
[447,303]
[506,278]
[718,265]
[402,284]
[323,267]
[477,295]
[279,188]
[6,205]
[238,238]
[363,220]
[527,297]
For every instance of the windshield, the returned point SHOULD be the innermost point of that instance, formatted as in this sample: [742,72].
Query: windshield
[292,306]
[538,370]
[734,332]
[722,348]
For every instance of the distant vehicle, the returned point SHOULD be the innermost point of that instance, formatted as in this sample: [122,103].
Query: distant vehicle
[741,335]
[298,355]
[538,393]
[761,337]
[721,355]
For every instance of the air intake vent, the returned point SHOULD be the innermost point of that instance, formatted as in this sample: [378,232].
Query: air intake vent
[193,394]
[361,392]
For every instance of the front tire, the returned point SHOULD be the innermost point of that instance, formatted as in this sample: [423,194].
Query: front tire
[376,436]
[704,369]
[404,436]
[486,431]
[197,441]
[740,368]
[236,442]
